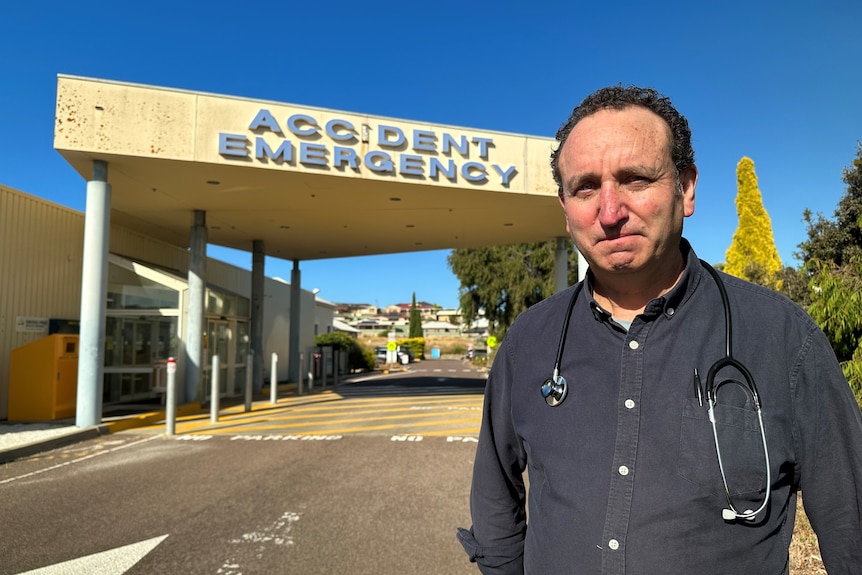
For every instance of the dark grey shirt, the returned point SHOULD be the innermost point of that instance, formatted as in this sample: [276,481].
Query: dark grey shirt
[623,475]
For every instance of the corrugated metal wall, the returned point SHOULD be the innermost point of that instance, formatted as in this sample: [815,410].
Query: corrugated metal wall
[41,249]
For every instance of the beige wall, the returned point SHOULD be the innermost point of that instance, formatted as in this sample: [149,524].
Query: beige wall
[41,250]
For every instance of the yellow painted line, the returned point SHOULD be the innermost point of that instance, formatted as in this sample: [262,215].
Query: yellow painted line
[337,402]
[317,414]
[223,426]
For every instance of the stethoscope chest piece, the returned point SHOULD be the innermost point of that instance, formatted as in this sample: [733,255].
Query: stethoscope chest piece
[554,390]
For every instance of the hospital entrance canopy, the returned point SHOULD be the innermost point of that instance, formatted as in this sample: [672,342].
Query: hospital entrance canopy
[310,183]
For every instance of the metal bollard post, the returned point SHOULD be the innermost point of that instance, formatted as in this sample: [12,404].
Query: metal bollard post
[171,399]
[214,373]
[323,370]
[273,379]
[249,372]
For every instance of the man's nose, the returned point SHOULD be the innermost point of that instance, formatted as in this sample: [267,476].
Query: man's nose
[612,208]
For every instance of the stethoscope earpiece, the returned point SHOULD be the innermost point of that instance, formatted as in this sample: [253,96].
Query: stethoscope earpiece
[554,390]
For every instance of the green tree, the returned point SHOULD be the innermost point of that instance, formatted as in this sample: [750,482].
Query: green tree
[415,328]
[836,306]
[840,240]
[752,254]
[833,263]
[505,280]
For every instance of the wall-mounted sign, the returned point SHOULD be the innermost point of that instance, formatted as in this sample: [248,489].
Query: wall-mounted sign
[31,324]
[381,149]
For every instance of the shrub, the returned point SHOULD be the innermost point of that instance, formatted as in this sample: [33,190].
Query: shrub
[416,345]
[358,357]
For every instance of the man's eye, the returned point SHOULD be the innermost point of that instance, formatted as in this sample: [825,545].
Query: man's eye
[637,181]
[583,188]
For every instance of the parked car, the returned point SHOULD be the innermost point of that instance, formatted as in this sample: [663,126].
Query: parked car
[476,353]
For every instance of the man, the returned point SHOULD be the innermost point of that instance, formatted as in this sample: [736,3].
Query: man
[623,458]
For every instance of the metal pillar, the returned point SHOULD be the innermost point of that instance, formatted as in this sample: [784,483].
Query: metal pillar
[561,266]
[293,367]
[195,326]
[582,267]
[256,329]
[94,285]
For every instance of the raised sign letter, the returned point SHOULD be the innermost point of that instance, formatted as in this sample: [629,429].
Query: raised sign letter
[383,133]
[294,121]
[232,145]
[264,120]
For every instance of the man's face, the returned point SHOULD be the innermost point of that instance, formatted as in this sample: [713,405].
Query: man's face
[622,205]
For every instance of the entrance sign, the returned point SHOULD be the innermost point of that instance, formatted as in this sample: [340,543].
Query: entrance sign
[380,149]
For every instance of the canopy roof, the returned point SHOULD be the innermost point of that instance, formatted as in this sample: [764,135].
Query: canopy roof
[310,183]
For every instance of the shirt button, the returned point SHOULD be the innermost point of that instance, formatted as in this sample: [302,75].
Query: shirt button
[614,544]
[633,344]
[623,470]
[630,403]
[670,311]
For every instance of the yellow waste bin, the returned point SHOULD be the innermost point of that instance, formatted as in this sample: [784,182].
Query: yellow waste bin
[43,379]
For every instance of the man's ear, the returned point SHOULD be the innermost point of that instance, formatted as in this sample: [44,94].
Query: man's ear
[688,183]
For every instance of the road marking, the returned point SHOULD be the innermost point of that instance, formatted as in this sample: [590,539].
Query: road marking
[78,460]
[112,562]
[286,437]
[277,534]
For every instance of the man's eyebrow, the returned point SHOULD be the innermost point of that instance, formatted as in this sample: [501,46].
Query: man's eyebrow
[642,169]
[648,170]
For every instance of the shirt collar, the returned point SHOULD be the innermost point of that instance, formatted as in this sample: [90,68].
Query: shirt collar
[666,305]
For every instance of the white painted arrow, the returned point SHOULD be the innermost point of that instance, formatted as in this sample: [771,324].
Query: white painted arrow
[112,562]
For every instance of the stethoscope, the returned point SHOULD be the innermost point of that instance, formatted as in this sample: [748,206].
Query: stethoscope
[555,389]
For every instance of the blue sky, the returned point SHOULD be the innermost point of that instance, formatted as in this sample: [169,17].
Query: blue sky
[775,81]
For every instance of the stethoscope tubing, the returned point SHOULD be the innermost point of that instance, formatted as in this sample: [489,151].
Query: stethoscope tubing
[555,389]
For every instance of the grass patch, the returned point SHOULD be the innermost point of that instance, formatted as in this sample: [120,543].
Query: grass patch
[804,552]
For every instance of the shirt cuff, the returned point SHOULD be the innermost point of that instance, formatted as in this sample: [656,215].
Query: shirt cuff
[496,560]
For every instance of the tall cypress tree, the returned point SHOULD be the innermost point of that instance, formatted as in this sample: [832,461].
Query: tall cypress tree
[415,328]
[752,255]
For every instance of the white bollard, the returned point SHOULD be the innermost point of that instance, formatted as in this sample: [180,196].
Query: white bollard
[214,373]
[249,373]
[273,379]
[171,398]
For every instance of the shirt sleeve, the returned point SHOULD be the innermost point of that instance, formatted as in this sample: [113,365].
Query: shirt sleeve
[829,426]
[497,498]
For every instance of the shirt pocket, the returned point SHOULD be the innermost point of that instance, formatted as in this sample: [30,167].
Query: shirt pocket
[741,446]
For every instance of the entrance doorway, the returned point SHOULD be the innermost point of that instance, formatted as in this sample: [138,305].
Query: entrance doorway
[227,338]
[132,345]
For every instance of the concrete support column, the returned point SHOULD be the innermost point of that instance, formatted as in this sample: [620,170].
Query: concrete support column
[195,324]
[582,267]
[258,260]
[94,285]
[293,367]
[561,266]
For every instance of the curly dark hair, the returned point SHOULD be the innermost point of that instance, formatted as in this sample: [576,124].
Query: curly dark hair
[619,98]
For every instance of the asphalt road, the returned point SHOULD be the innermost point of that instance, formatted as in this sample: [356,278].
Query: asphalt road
[249,502]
